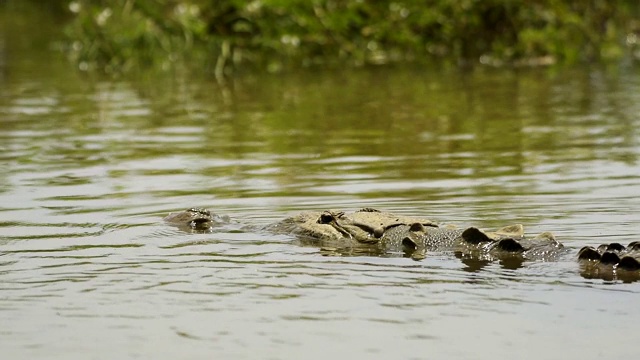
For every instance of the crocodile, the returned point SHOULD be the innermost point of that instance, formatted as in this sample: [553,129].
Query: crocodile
[373,232]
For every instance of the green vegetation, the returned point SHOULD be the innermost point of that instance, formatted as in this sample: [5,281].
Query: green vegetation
[116,35]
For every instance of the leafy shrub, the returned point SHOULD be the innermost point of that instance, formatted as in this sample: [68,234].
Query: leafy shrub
[117,35]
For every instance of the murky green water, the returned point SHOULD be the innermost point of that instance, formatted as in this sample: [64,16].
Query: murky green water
[88,168]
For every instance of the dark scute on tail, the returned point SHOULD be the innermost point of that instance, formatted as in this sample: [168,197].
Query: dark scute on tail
[615,247]
[609,258]
[629,263]
[510,245]
[588,253]
[635,245]
[474,236]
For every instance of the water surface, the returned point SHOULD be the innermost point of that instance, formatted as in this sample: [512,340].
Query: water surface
[89,167]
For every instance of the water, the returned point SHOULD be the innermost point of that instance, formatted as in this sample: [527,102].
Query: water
[89,167]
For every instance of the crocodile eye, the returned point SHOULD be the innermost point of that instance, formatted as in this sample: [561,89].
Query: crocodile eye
[325,218]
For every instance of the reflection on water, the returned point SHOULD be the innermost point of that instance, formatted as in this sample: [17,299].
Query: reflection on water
[89,167]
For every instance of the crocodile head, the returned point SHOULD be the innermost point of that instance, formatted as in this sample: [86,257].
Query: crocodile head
[330,225]
[366,226]
[336,222]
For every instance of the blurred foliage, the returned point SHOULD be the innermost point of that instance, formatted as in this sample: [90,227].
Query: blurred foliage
[117,35]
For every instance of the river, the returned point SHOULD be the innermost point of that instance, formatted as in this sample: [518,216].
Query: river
[90,165]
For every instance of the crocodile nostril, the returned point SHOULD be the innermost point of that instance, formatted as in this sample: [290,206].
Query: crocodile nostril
[200,211]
